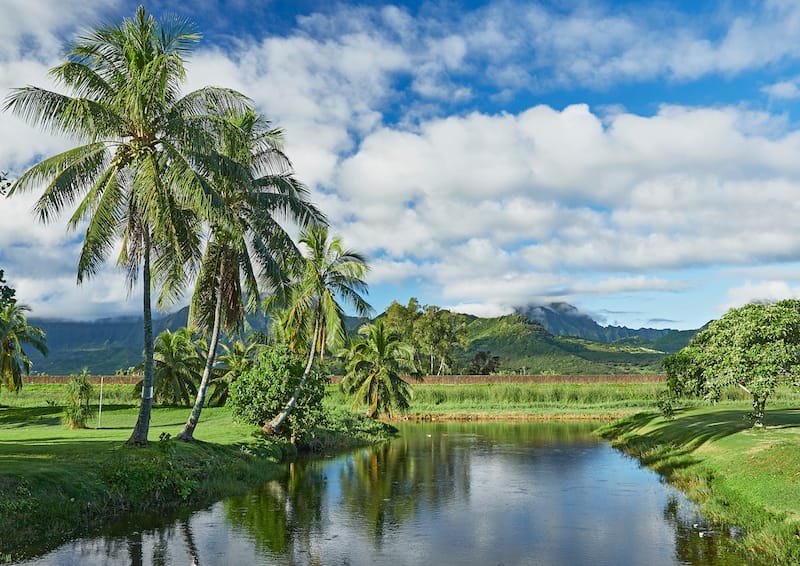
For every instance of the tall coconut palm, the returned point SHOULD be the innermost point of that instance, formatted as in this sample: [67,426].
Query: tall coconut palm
[137,174]
[374,367]
[328,273]
[14,333]
[254,179]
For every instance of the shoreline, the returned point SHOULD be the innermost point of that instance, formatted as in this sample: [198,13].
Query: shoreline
[737,474]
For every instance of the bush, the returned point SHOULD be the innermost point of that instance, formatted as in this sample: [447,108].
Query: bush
[79,392]
[261,392]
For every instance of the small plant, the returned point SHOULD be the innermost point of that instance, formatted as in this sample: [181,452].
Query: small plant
[79,392]
[666,404]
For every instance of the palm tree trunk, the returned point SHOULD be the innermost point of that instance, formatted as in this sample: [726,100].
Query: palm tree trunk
[187,433]
[139,434]
[273,426]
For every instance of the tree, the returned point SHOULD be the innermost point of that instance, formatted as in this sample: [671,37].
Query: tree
[253,177]
[438,332]
[754,347]
[177,364]
[484,363]
[234,361]
[138,174]
[314,316]
[374,367]
[261,391]
[14,334]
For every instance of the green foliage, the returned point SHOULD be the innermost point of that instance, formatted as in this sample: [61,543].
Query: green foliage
[262,392]
[14,334]
[374,367]
[79,394]
[754,347]
[484,363]
[177,367]
[6,292]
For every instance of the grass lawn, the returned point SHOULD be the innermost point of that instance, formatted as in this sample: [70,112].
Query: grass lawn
[744,476]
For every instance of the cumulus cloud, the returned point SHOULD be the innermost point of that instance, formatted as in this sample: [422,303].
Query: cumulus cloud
[395,119]
[759,292]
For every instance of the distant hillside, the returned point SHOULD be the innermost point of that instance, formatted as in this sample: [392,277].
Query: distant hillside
[522,342]
[525,346]
[564,319]
[103,346]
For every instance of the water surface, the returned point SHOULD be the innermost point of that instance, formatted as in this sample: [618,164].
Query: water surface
[474,493]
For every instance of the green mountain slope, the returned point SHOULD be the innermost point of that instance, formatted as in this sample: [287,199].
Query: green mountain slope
[527,347]
[105,346]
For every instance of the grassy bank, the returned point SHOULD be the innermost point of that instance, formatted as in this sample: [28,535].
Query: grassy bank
[739,475]
[57,483]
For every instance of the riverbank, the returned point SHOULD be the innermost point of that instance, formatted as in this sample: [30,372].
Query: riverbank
[57,483]
[739,475]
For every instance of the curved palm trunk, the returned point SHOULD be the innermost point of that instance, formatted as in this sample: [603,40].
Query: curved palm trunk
[187,433]
[273,426]
[139,434]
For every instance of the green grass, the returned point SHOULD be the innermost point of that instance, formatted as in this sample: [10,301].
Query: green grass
[57,483]
[544,401]
[744,476]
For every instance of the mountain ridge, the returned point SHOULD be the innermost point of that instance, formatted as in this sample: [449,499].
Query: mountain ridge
[545,338]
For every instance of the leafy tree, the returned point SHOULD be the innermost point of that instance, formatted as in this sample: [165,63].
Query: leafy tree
[177,365]
[374,367]
[14,334]
[439,331]
[484,363]
[254,179]
[754,347]
[6,292]
[138,175]
[264,390]
[314,317]
[401,319]
[234,361]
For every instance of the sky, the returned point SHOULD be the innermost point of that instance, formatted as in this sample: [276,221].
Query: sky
[639,160]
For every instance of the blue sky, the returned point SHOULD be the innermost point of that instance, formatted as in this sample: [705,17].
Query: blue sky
[638,160]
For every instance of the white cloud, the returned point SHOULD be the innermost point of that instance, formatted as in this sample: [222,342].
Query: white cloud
[759,292]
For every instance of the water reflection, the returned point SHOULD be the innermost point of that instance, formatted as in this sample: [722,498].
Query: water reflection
[463,493]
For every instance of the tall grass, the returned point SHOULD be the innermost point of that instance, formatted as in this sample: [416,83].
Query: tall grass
[595,399]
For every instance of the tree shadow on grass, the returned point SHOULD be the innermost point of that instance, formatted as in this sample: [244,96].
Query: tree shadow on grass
[669,445]
[26,416]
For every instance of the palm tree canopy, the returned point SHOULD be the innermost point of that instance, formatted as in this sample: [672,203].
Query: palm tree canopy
[375,364]
[178,364]
[138,170]
[14,334]
[327,276]
[254,179]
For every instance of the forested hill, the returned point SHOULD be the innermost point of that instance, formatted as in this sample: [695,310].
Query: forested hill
[107,345]
[566,320]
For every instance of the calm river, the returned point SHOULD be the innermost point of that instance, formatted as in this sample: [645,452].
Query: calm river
[441,494]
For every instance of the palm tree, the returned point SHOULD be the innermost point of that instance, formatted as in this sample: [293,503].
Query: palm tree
[137,175]
[314,317]
[254,180]
[234,361]
[374,367]
[177,364]
[14,333]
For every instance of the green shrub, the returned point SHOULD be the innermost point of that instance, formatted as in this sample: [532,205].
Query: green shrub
[261,393]
[79,392]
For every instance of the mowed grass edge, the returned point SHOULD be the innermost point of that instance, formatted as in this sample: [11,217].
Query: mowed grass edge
[739,475]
